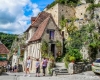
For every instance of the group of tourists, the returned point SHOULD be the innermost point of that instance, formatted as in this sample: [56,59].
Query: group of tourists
[37,66]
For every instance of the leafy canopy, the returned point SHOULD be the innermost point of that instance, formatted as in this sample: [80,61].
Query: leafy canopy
[7,39]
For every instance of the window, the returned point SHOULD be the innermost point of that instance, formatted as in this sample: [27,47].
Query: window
[51,34]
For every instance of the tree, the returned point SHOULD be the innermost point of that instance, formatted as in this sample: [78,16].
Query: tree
[7,39]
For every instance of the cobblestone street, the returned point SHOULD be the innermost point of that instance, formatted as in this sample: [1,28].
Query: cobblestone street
[82,76]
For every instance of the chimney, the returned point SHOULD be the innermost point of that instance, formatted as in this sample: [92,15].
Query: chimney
[32,19]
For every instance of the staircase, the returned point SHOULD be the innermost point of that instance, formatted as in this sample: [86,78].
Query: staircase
[59,69]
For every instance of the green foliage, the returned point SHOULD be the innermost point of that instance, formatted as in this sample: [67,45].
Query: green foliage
[63,22]
[64,2]
[78,38]
[51,57]
[90,1]
[93,45]
[66,64]
[7,39]
[71,27]
[86,36]
[51,63]
[72,58]
[51,5]
[73,54]
[92,6]
[44,49]
[44,55]
[44,46]
[58,44]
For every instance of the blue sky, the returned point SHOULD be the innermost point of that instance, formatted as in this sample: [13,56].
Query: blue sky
[15,15]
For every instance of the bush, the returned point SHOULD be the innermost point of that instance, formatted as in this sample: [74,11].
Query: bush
[72,55]
[72,58]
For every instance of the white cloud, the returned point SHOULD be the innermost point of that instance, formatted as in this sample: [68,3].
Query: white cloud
[12,15]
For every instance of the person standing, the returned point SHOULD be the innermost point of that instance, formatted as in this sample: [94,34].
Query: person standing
[37,68]
[28,65]
[8,67]
[15,67]
[44,65]
[71,68]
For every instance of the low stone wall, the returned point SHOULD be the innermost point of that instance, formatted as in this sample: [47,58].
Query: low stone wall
[81,67]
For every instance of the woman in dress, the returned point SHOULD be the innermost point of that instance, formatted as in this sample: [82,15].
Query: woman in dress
[70,68]
[28,65]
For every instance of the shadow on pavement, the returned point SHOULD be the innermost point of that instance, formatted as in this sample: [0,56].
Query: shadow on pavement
[4,73]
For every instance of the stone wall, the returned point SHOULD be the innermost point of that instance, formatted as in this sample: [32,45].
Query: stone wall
[58,10]
[54,12]
[57,35]
[66,11]
[81,10]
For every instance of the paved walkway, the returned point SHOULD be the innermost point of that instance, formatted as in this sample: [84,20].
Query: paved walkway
[82,76]
[68,77]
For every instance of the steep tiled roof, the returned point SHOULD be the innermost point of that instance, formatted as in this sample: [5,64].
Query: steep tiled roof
[40,30]
[3,63]
[40,18]
[3,49]
[43,15]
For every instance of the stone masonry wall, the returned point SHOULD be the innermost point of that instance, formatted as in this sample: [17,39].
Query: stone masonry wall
[54,12]
[81,10]
[58,10]
[57,35]
[66,11]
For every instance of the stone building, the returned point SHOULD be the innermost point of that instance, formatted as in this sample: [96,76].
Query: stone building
[43,27]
